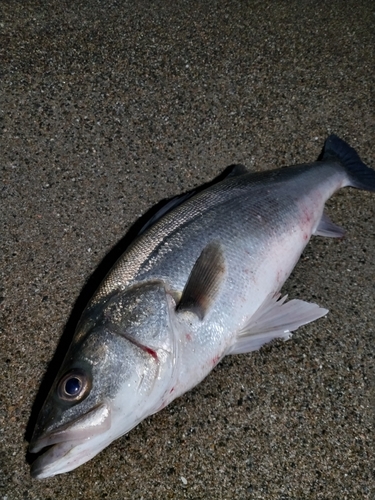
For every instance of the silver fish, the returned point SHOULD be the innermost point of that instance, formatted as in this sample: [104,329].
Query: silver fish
[201,282]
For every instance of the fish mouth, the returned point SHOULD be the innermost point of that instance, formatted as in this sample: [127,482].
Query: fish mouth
[72,444]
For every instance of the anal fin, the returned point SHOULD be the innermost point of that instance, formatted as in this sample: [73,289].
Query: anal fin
[275,319]
[327,228]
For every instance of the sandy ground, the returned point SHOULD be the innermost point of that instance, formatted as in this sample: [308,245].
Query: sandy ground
[109,107]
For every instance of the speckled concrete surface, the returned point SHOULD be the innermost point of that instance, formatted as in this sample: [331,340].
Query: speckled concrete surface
[109,107]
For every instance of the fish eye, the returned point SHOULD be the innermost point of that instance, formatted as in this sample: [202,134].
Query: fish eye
[74,386]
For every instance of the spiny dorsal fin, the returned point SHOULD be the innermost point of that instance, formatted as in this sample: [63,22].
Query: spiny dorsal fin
[167,206]
[234,170]
[176,201]
[204,281]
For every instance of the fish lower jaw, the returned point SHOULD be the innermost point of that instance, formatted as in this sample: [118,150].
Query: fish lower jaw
[66,456]
[59,458]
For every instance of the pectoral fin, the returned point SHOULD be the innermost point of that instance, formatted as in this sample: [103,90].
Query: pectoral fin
[275,319]
[204,281]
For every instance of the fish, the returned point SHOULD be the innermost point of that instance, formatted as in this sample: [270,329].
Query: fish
[201,281]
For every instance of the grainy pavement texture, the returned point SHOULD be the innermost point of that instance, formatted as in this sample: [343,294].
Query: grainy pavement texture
[109,107]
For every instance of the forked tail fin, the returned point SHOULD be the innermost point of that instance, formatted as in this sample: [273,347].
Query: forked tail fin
[360,175]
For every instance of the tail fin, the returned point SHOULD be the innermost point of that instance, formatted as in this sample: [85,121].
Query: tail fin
[360,175]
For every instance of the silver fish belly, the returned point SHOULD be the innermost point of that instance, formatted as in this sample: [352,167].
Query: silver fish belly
[200,283]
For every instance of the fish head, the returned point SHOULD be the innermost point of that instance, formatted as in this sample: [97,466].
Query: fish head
[117,369]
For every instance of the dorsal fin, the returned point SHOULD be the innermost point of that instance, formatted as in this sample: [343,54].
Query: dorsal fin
[167,207]
[231,171]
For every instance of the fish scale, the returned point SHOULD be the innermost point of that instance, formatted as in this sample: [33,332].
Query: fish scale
[246,196]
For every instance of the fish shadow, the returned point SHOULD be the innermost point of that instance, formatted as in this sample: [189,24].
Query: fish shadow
[140,225]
